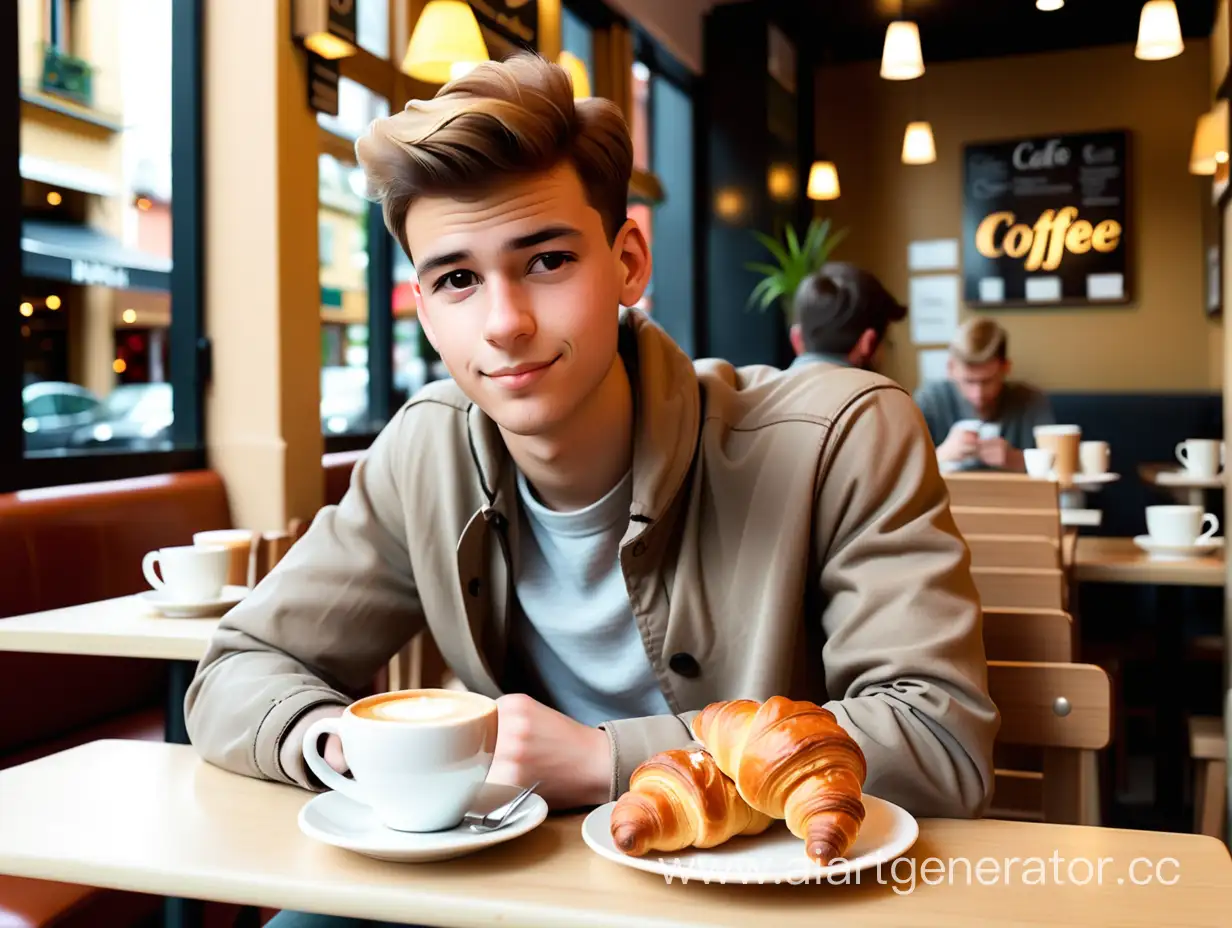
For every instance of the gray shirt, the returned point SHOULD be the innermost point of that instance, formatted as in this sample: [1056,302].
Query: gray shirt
[579,632]
[819,357]
[1020,409]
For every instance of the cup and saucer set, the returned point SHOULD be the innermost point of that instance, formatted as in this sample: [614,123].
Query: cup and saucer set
[418,790]
[201,580]
[1176,533]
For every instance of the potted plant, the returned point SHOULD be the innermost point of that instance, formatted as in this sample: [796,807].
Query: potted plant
[795,259]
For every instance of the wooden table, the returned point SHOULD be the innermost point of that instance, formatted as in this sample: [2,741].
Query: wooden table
[154,818]
[1119,560]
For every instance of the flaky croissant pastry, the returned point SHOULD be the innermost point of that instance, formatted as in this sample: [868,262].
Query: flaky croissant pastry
[791,760]
[680,799]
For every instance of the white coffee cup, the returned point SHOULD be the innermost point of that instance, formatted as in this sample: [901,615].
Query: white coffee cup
[418,757]
[1202,457]
[196,573]
[240,542]
[1180,525]
[1094,457]
[1039,461]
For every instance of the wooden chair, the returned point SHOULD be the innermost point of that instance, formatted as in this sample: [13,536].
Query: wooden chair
[1014,551]
[1024,588]
[1066,710]
[1038,635]
[1002,491]
[1208,749]
[985,520]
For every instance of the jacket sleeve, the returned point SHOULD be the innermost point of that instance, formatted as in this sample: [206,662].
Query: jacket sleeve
[904,652]
[633,741]
[315,631]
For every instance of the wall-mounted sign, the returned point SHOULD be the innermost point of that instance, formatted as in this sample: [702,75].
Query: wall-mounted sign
[515,20]
[343,20]
[323,77]
[1045,220]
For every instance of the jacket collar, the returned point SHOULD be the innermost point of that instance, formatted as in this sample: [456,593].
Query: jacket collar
[667,415]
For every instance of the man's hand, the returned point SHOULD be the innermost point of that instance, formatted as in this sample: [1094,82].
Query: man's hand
[998,453]
[293,745]
[571,761]
[961,443]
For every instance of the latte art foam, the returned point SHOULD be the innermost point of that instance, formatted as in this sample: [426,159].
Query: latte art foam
[426,708]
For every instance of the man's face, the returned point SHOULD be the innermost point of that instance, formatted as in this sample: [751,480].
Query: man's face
[519,291]
[980,384]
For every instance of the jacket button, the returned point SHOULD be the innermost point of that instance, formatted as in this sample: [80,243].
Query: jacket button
[474,586]
[639,549]
[684,664]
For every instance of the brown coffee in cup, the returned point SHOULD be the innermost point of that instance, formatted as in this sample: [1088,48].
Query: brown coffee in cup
[239,541]
[427,707]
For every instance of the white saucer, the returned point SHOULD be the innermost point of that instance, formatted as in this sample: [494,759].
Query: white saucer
[1161,551]
[774,856]
[177,608]
[1092,480]
[339,820]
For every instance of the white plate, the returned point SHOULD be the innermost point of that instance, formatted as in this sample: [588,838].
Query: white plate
[774,856]
[1177,552]
[333,818]
[177,608]
[1092,480]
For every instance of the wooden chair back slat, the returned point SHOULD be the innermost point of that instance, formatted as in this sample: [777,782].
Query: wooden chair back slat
[1052,705]
[1014,551]
[1002,587]
[977,520]
[1002,491]
[1038,635]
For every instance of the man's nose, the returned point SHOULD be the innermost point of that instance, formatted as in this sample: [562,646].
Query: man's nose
[509,312]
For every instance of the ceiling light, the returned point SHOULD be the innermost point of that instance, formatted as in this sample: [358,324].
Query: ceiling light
[1159,31]
[901,57]
[1049,5]
[446,43]
[918,144]
[577,73]
[1210,141]
[823,181]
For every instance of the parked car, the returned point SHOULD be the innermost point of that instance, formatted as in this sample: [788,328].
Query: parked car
[52,411]
[133,417]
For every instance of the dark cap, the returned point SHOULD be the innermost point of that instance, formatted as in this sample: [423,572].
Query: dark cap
[835,305]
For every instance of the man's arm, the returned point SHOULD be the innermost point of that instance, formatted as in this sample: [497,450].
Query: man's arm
[904,654]
[315,631]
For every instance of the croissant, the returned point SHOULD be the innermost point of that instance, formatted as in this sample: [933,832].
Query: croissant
[678,799]
[791,760]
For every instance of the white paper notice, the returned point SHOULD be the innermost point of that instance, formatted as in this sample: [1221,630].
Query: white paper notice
[932,364]
[1105,286]
[937,255]
[934,309]
[1043,289]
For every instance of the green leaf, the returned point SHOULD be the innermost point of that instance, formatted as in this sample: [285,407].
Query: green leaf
[774,248]
[766,270]
[793,243]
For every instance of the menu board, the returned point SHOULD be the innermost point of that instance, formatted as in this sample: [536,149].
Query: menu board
[1045,220]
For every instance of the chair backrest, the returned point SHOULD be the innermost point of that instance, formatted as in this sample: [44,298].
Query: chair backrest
[988,520]
[1065,709]
[1002,491]
[1040,635]
[1015,551]
[1021,588]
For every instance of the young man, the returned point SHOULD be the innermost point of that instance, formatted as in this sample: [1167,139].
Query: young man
[841,317]
[978,391]
[594,529]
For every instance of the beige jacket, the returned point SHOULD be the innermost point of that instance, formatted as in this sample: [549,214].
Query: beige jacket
[789,534]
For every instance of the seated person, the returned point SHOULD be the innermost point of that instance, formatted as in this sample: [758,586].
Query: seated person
[599,532]
[841,316]
[978,419]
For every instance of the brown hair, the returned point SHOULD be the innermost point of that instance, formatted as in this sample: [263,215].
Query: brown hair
[517,116]
[979,341]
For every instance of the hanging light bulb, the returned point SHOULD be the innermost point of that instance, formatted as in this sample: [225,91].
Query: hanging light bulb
[577,73]
[823,181]
[1049,5]
[446,43]
[1159,31]
[901,57]
[918,144]
[1210,142]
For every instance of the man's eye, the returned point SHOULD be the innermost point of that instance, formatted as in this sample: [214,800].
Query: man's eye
[551,261]
[457,280]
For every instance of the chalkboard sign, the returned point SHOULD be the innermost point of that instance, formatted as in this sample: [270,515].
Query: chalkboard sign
[516,21]
[1045,220]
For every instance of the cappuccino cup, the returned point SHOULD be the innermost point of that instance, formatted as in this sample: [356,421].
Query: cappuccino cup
[1062,441]
[1094,457]
[1180,526]
[1202,457]
[1039,462]
[196,573]
[240,543]
[418,757]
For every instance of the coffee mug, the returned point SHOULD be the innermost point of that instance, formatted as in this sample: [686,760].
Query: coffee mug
[1062,441]
[1039,461]
[1094,457]
[1180,525]
[191,572]
[239,542]
[418,757]
[1202,457]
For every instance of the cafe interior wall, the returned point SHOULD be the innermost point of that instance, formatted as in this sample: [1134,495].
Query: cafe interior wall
[1162,340]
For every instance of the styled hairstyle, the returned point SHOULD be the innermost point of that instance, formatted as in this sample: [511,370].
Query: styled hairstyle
[979,341]
[517,116]
[835,305]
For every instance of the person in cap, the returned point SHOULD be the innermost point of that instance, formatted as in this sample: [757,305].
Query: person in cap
[841,316]
[978,418]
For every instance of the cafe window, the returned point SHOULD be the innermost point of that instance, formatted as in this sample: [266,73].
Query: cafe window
[100,355]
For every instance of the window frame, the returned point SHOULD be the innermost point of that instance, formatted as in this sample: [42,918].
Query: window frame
[189,350]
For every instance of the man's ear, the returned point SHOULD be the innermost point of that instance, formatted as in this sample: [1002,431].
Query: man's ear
[1006,366]
[424,317]
[635,264]
[797,338]
[865,347]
